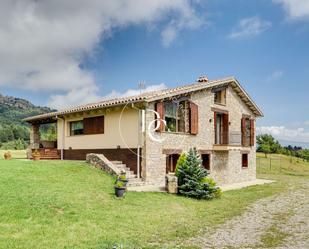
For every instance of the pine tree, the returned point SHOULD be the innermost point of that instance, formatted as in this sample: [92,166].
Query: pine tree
[191,177]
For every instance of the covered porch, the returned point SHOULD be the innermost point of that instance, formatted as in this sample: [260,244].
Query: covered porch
[47,147]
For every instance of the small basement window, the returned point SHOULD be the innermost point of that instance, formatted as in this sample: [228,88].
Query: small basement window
[244,160]
[76,128]
[206,161]
[171,162]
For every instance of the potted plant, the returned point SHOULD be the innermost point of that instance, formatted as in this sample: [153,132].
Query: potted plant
[7,155]
[36,155]
[123,179]
[119,189]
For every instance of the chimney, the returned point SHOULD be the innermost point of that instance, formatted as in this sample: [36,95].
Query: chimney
[202,79]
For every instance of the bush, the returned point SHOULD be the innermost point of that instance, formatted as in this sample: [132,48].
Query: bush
[192,181]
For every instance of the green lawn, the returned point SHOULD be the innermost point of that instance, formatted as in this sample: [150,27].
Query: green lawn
[54,204]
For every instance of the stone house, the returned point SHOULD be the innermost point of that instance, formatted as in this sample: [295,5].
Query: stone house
[145,134]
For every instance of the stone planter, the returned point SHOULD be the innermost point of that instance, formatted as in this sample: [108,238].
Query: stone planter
[171,183]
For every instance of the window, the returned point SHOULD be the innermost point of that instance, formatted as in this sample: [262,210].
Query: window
[221,128]
[87,126]
[171,162]
[76,128]
[247,130]
[206,161]
[244,160]
[175,116]
[220,97]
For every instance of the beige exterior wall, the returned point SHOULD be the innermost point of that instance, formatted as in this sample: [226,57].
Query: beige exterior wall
[120,129]
[225,166]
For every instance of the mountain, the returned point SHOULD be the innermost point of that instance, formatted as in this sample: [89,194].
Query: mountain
[13,110]
[12,129]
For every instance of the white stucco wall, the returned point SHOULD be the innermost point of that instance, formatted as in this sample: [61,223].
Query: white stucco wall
[120,129]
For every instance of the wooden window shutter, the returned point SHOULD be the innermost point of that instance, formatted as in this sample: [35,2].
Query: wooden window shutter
[252,134]
[160,110]
[225,129]
[215,120]
[100,125]
[193,118]
[94,125]
[243,131]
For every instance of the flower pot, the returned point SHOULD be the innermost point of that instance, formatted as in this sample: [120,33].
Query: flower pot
[7,156]
[119,192]
[36,157]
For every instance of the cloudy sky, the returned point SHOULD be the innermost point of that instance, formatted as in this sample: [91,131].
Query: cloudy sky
[61,53]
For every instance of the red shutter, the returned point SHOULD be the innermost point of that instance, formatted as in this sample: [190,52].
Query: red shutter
[225,129]
[193,118]
[252,133]
[160,111]
[243,131]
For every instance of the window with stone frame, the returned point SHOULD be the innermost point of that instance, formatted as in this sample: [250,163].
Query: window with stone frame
[220,97]
[244,160]
[176,116]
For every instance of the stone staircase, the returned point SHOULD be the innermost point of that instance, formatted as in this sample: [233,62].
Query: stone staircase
[133,180]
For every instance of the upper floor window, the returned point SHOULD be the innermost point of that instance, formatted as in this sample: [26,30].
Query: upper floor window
[87,126]
[220,96]
[247,131]
[77,128]
[179,116]
[175,116]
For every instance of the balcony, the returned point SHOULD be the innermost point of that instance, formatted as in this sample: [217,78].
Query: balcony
[227,140]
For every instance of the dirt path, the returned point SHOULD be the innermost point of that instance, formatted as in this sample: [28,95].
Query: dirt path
[279,222]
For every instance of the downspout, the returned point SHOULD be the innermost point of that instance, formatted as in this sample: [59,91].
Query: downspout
[141,125]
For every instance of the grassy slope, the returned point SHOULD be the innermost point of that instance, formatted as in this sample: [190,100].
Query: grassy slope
[53,204]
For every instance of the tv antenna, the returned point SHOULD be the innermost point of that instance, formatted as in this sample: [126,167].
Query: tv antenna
[141,86]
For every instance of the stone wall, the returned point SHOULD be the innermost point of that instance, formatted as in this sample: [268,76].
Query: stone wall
[100,161]
[225,167]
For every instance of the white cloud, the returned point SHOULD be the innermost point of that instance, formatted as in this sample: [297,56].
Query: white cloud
[281,132]
[42,43]
[87,95]
[295,9]
[275,75]
[249,27]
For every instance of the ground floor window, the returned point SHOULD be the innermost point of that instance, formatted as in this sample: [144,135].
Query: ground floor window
[206,161]
[76,128]
[171,162]
[245,160]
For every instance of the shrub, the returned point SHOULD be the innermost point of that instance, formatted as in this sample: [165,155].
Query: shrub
[192,181]
[122,177]
[119,184]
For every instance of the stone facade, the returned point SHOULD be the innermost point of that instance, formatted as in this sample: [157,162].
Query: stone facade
[225,162]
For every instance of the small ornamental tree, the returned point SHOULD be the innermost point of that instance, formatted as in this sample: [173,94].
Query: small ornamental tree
[191,177]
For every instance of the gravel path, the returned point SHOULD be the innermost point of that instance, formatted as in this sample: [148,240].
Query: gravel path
[279,222]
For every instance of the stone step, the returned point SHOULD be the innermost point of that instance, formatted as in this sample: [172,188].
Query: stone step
[116,162]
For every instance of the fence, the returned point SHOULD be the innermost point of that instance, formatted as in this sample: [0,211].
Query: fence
[278,164]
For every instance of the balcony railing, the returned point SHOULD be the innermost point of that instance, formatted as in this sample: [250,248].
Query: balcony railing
[228,138]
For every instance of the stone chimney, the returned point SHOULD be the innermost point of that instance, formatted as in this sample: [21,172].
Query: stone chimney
[202,79]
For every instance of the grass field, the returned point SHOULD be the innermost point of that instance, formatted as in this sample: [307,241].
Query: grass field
[54,204]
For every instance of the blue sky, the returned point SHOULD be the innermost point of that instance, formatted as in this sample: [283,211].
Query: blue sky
[264,44]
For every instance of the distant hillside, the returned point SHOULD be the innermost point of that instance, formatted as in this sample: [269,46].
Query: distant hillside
[13,110]
[14,133]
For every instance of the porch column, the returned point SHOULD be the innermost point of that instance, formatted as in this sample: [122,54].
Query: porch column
[35,136]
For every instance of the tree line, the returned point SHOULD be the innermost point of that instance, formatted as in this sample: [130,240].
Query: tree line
[267,144]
